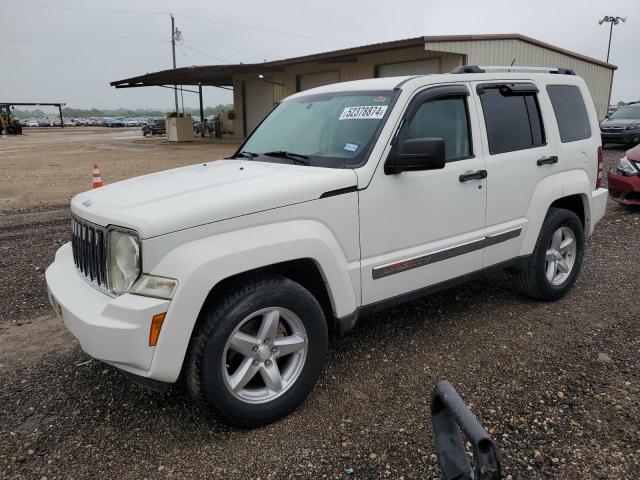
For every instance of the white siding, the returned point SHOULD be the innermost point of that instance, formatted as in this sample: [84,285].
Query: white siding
[502,52]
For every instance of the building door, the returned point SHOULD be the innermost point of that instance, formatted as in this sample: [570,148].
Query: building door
[258,102]
[313,80]
[416,67]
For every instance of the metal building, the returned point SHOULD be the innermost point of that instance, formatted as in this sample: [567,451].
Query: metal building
[258,87]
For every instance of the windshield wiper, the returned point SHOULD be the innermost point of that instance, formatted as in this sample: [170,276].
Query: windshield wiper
[295,157]
[245,154]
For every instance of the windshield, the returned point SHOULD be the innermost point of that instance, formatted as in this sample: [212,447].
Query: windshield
[628,113]
[325,130]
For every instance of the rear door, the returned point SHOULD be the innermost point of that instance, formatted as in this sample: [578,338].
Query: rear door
[519,153]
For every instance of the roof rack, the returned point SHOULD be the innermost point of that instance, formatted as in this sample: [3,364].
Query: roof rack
[512,69]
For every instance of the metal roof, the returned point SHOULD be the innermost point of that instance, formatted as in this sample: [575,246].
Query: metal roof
[222,75]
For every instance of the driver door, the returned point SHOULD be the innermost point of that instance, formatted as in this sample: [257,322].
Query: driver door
[421,228]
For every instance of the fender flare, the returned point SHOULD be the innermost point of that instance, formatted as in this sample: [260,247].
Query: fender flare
[201,264]
[550,189]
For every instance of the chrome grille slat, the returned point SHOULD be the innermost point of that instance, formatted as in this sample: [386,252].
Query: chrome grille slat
[89,246]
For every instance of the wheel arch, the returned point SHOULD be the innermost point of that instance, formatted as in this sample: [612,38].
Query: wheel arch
[305,251]
[304,271]
[570,190]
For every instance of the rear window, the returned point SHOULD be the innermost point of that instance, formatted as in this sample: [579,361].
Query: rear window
[512,119]
[571,114]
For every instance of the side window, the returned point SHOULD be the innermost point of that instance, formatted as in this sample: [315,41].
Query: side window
[445,118]
[570,112]
[512,118]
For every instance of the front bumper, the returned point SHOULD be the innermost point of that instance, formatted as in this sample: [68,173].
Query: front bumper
[624,189]
[113,330]
[623,136]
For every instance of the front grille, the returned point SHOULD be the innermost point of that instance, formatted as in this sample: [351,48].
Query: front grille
[89,244]
[612,129]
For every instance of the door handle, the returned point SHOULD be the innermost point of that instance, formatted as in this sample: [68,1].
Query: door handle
[477,175]
[547,160]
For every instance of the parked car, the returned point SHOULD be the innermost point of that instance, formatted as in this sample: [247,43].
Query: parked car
[115,123]
[45,122]
[623,126]
[155,126]
[31,123]
[624,181]
[345,200]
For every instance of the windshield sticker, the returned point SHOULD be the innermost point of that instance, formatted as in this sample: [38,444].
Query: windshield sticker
[380,99]
[364,112]
[351,147]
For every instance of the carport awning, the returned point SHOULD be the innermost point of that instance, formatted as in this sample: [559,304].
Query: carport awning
[211,75]
[222,75]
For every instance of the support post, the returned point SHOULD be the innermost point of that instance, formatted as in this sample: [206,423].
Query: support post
[201,111]
[173,50]
[61,119]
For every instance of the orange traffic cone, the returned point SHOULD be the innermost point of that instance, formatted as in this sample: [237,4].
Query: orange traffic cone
[97,178]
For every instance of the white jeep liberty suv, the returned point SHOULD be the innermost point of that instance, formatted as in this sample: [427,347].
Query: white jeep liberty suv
[346,199]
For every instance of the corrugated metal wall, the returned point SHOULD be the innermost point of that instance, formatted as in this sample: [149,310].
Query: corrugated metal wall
[502,52]
[364,67]
[451,54]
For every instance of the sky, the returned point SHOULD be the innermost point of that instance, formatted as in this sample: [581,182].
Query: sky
[70,53]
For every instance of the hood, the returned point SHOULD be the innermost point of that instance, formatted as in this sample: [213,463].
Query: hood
[186,197]
[619,122]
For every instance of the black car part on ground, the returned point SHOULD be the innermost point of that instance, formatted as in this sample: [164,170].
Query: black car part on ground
[450,416]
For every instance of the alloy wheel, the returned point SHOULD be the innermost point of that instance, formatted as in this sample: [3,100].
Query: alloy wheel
[561,256]
[264,355]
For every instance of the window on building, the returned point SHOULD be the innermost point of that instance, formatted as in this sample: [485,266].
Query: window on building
[571,114]
[512,118]
[444,118]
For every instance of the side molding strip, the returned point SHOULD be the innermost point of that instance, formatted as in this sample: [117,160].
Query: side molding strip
[422,260]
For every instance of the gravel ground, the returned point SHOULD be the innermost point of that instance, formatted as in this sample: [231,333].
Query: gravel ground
[557,384]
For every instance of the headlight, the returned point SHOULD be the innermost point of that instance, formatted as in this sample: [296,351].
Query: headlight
[123,260]
[628,167]
[635,126]
[153,286]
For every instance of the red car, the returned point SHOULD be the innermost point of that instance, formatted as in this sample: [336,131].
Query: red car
[624,181]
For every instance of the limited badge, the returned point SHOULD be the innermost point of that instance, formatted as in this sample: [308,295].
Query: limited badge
[375,112]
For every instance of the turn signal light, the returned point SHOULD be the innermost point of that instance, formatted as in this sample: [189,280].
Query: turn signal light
[156,326]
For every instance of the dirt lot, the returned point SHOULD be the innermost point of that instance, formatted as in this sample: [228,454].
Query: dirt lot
[557,384]
[49,165]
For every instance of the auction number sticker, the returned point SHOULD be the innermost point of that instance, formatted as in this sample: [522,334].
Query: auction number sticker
[375,112]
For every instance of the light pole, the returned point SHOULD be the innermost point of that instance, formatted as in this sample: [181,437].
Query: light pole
[612,21]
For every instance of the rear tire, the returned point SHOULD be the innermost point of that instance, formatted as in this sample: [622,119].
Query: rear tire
[555,263]
[250,330]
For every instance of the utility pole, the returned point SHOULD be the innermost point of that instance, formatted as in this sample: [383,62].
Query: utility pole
[174,33]
[612,21]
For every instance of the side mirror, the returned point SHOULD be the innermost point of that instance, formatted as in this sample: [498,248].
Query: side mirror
[416,154]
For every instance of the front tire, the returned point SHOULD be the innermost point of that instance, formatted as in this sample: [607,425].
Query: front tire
[557,257]
[257,353]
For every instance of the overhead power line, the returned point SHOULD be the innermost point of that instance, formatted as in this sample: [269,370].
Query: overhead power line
[206,54]
[76,42]
[81,35]
[263,29]
[151,12]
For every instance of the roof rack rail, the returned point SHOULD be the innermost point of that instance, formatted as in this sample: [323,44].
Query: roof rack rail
[513,69]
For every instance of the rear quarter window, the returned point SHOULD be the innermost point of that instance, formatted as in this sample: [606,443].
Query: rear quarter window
[570,111]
